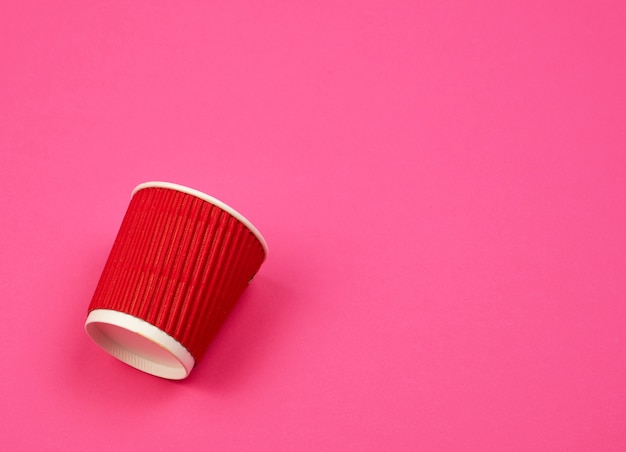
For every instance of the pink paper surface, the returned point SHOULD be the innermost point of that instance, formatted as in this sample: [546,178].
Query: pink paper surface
[442,186]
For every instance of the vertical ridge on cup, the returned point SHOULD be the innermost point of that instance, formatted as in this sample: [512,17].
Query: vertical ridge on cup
[180,261]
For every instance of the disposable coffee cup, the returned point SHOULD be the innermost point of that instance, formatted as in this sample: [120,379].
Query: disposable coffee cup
[179,263]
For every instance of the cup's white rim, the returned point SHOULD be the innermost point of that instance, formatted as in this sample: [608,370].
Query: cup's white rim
[132,341]
[209,199]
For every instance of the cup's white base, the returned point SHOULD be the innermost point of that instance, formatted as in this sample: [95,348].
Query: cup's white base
[139,344]
[210,200]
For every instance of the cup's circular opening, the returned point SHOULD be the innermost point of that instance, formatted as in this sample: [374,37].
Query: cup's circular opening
[139,344]
[209,199]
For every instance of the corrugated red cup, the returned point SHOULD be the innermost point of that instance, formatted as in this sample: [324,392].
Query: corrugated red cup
[179,263]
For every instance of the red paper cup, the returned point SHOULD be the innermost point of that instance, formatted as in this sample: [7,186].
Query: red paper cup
[179,263]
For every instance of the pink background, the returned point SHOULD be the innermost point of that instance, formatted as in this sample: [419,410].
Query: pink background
[442,186]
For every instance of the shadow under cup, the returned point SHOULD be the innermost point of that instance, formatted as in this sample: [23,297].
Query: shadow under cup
[179,263]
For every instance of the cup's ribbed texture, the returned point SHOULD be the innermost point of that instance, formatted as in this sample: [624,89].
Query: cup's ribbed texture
[180,263]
